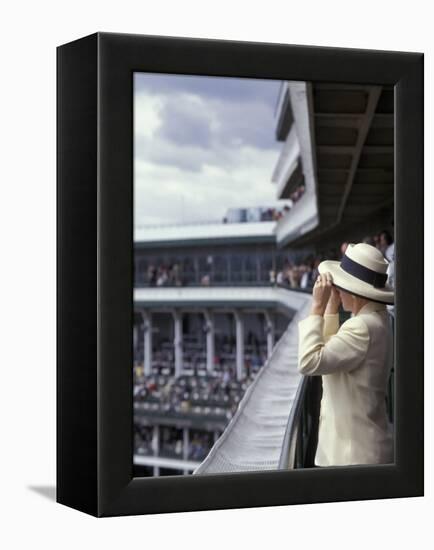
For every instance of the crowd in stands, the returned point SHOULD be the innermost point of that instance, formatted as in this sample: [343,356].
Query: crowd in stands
[196,395]
[297,274]
[304,273]
[194,356]
[296,195]
[211,396]
[301,274]
[164,275]
[171,444]
[215,395]
[275,214]
[268,214]
[384,242]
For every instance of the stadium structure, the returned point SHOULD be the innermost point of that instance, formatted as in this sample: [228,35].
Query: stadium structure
[216,384]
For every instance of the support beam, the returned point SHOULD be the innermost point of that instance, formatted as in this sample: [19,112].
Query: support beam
[177,341]
[239,333]
[335,149]
[210,341]
[336,87]
[147,342]
[350,150]
[327,120]
[378,149]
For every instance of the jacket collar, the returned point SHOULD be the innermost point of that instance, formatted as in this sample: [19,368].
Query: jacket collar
[370,307]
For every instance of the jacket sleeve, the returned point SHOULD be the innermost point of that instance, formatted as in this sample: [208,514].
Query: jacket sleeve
[331,325]
[344,351]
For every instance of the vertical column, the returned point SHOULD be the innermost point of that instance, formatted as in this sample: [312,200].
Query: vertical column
[156,447]
[177,341]
[239,334]
[185,445]
[147,342]
[210,351]
[269,331]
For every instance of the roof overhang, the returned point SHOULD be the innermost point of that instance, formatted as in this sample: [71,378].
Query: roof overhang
[352,137]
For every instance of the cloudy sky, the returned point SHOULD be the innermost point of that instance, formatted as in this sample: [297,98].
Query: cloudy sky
[202,145]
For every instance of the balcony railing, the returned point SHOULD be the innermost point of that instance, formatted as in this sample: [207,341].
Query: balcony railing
[300,441]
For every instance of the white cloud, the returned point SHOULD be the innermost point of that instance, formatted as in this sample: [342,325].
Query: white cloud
[147,117]
[196,156]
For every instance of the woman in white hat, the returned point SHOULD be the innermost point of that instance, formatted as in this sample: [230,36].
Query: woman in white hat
[354,360]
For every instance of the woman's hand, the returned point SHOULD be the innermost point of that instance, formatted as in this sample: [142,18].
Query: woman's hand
[321,293]
[334,302]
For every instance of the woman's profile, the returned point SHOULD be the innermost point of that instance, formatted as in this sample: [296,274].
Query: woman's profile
[352,359]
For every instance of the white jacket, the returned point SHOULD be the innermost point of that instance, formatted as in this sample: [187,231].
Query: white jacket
[354,362]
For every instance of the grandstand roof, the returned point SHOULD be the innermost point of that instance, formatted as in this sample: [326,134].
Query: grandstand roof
[353,154]
[354,134]
[209,233]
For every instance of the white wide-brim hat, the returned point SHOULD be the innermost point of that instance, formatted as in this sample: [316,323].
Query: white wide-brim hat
[362,272]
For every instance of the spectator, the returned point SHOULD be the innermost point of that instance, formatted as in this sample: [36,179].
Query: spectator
[315,271]
[304,275]
[386,244]
[152,275]
[376,241]
[206,280]
[344,246]
[369,240]
[387,247]
[162,278]
[294,277]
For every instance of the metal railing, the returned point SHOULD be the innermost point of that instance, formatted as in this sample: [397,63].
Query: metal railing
[390,399]
[300,441]
[287,456]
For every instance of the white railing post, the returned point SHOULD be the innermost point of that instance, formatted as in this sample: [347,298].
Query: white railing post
[239,331]
[147,342]
[177,341]
[210,342]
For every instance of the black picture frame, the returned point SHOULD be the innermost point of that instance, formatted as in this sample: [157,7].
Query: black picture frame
[95,275]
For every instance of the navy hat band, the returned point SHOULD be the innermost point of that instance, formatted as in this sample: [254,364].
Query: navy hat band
[377,280]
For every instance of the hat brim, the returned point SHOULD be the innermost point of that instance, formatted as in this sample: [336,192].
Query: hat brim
[349,283]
